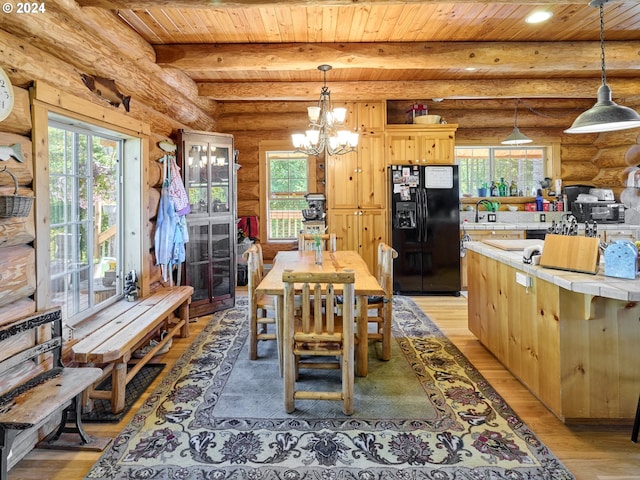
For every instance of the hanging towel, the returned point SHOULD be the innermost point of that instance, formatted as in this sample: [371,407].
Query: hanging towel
[176,187]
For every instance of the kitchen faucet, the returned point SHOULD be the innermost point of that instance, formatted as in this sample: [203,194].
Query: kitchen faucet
[487,205]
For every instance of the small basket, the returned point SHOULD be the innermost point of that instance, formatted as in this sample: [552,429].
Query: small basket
[14,205]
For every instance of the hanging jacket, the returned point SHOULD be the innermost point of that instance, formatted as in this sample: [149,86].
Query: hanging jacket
[166,224]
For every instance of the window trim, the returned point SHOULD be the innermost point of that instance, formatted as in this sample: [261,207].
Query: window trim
[278,145]
[136,230]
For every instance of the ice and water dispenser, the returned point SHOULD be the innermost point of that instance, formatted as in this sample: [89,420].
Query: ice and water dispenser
[405,215]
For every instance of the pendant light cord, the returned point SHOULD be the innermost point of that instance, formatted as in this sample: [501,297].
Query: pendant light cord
[604,73]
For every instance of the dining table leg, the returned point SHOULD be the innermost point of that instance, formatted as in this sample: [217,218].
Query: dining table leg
[362,326]
[279,306]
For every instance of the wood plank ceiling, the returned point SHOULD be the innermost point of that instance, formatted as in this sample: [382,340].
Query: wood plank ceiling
[251,49]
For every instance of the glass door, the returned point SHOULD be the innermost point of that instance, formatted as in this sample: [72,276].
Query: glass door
[210,265]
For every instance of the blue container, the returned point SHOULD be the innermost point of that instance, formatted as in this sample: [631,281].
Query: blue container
[482,192]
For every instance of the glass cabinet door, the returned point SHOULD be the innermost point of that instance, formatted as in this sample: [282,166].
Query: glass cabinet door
[220,165]
[210,266]
[208,174]
[222,268]
[197,177]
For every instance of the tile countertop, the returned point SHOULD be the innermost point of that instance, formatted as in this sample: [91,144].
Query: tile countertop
[528,221]
[598,284]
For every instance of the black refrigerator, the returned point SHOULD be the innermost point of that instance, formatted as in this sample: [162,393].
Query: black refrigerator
[425,213]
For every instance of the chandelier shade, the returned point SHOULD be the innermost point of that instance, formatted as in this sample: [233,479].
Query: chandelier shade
[326,131]
[516,137]
[605,115]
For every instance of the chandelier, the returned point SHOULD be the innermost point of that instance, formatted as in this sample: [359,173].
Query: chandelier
[326,130]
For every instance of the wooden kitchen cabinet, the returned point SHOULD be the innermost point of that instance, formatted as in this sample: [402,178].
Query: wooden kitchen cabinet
[358,180]
[356,198]
[478,236]
[371,117]
[576,351]
[359,230]
[420,144]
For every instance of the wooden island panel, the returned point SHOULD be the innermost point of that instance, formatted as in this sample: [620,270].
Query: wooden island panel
[576,352]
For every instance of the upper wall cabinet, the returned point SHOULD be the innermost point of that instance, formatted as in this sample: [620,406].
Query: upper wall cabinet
[371,116]
[364,117]
[421,144]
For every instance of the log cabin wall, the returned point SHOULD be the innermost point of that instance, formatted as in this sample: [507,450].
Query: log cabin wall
[56,48]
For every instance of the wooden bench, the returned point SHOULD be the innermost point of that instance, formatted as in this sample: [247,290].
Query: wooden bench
[125,327]
[34,384]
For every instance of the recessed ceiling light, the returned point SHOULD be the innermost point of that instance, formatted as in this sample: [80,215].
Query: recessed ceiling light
[470,69]
[539,16]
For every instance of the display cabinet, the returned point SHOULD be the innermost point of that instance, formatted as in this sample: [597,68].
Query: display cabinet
[207,161]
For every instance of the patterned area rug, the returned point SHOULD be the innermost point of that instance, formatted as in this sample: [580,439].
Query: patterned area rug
[101,412]
[470,433]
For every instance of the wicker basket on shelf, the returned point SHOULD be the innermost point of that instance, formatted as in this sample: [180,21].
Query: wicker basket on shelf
[14,205]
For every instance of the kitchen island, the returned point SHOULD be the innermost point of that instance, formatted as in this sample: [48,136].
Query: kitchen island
[573,339]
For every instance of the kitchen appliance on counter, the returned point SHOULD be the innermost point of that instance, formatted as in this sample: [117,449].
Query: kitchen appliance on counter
[425,213]
[598,205]
[572,192]
[602,194]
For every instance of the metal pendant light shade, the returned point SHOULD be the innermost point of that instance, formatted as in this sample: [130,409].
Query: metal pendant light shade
[605,115]
[516,137]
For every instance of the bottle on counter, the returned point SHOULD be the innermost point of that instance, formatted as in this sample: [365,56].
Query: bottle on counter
[539,201]
[513,189]
[502,187]
[493,189]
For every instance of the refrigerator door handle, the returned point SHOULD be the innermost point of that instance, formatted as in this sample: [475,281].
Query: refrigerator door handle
[425,214]
[419,208]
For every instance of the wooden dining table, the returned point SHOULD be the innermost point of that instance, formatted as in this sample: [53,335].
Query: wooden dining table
[365,285]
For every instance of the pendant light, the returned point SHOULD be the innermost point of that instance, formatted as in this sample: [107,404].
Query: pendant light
[516,137]
[605,115]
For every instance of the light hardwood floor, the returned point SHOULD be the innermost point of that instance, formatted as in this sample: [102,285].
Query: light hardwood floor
[589,452]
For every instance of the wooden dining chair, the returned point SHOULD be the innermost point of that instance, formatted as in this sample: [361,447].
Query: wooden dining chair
[379,308]
[307,241]
[259,305]
[318,332]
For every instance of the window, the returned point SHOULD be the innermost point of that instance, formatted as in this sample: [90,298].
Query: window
[85,218]
[92,203]
[288,181]
[479,166]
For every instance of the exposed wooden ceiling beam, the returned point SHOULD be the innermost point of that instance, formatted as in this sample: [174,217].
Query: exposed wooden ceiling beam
[451,89]
[143,4]
[497,57]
